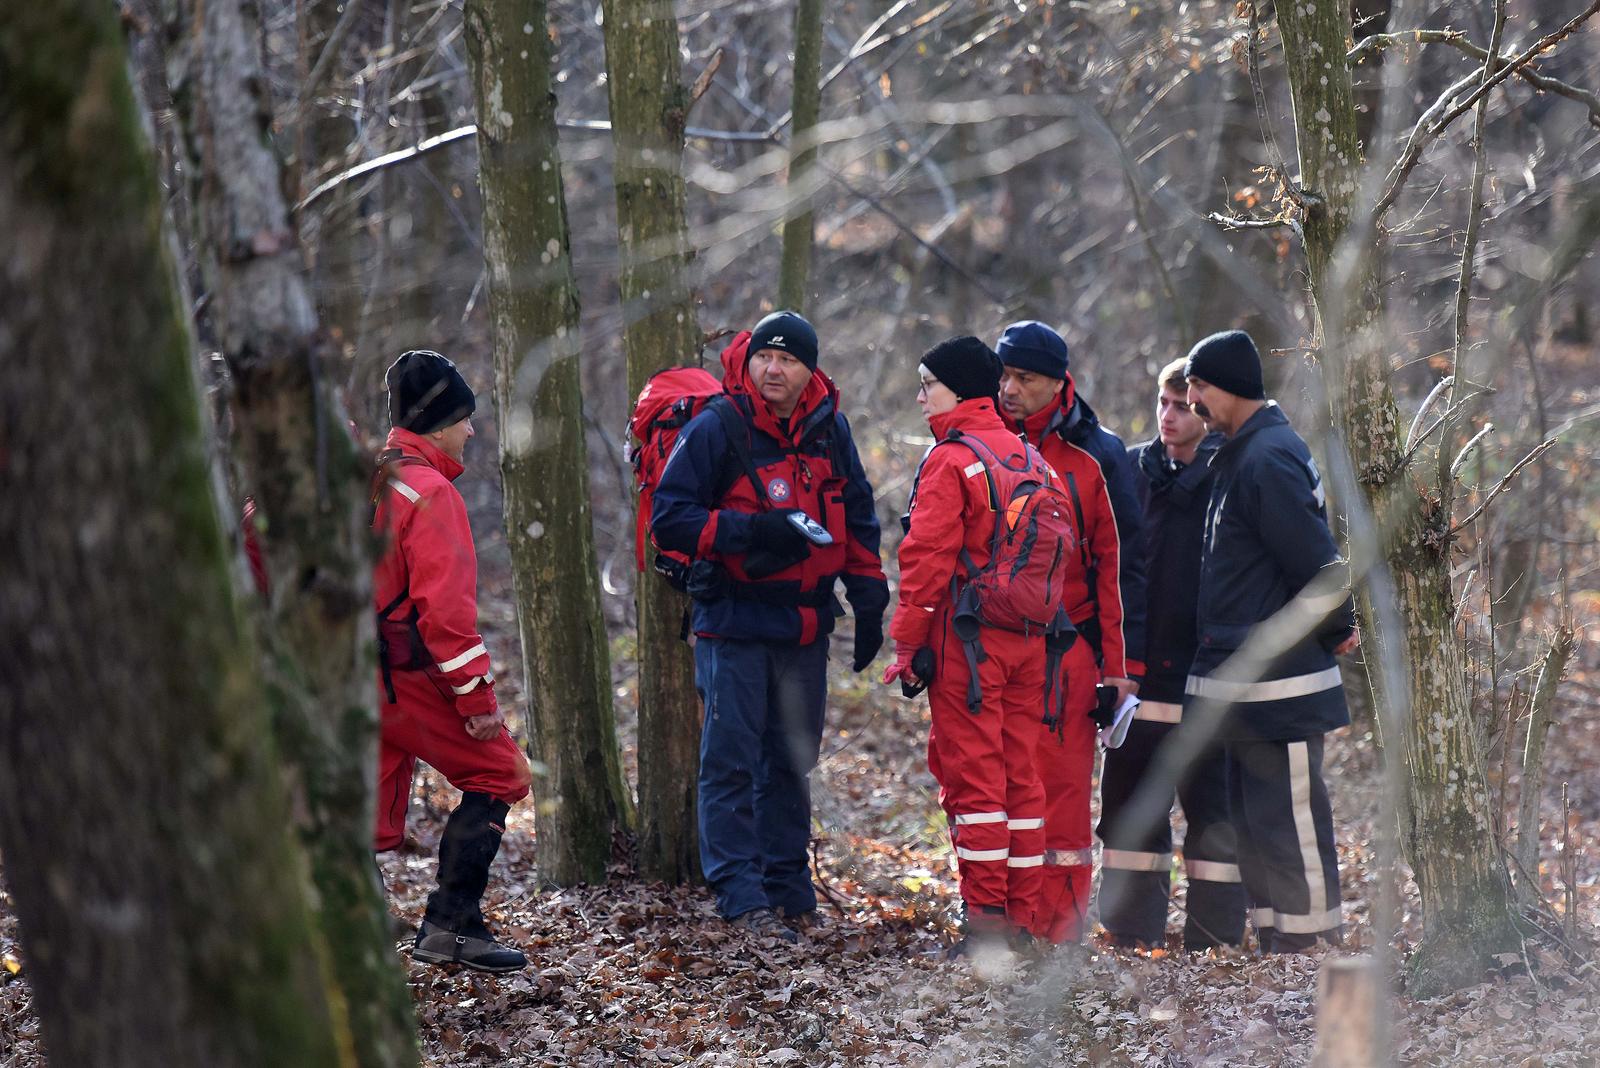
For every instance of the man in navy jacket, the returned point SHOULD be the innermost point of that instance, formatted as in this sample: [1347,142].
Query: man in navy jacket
[764,606]
[1273,612]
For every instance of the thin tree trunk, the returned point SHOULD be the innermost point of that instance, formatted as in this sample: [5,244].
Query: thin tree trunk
[649,107]
[310,486]
[1447,829]
[1539,718]
[533,312]
[162,896]
[794,278]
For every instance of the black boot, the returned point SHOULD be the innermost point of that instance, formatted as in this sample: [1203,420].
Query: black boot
[453,931]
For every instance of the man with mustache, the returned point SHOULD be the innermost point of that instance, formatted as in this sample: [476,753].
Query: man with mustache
[1272,583]
[1105,598]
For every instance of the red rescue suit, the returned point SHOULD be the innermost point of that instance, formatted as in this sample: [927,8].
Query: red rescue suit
[429,566]
[1066,763]
[988,783]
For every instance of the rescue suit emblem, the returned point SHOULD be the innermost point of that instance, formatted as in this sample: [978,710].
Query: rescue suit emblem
[778,489]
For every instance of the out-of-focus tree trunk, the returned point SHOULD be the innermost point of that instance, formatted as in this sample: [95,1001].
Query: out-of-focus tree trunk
[649,109]
[311,489]
[794,278]
[1448,828]
[162,895]
[533,311]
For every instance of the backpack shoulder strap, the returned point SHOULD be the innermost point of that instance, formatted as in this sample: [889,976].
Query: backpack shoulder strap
[1091,576]
[738,435]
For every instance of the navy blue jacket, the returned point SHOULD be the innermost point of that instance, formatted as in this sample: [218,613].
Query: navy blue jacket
[703,508]
[1267,539]
[1080,426]
[1173,497]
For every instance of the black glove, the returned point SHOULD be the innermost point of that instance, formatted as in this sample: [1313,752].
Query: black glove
[869,639]
[923,667]
[774,532]
[1104,712]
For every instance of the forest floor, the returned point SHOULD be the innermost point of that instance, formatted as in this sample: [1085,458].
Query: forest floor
[639,973]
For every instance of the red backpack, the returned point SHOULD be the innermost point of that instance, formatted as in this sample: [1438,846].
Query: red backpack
[1022,586]
[668,401]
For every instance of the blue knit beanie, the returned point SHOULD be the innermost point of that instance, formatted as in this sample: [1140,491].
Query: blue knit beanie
[1032,346]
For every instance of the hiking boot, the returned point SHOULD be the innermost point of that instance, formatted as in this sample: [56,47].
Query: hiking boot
[471,949]
[986,934]
[809,922]
[765,924]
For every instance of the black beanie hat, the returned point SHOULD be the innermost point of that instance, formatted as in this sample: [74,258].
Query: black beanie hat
[1230,362]
[967,366]
[427,393]
[1032,346]
[788,331]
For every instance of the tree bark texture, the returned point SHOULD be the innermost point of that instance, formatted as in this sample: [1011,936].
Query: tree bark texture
[162,895]
[311,489]
[533,312]
[1447,827]
[799,228]
[649,108]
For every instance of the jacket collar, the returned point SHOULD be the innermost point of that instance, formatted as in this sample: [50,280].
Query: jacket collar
[1067,414]
[967,416]
[1267,416]
[818,401]
[415,445]
[1157,466]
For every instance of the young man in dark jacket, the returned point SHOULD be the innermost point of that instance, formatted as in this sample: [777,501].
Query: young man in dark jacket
[1273,612]
[764,606]
[1105,598]
[1136,790]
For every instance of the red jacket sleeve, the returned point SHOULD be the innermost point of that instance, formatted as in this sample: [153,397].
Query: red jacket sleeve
[928,555]
[443,568]
[1105,546]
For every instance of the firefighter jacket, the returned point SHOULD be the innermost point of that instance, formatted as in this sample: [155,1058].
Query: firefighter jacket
[1266,539]
[704,505]
[1093,461]
[429,565]
[1173,499]
[950,511]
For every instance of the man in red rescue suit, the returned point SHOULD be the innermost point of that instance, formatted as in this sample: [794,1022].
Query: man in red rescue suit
[762,580]
[984,761]
[1105,599]
[437,690]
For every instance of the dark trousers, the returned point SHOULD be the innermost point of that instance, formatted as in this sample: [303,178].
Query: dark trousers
[1136,795]
[764,704]
[1286,850]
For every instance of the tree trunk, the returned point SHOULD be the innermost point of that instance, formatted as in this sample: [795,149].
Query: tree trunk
[533,312]
[162,897]
[649,107]
[1447,831]
[311,488]
[794,278]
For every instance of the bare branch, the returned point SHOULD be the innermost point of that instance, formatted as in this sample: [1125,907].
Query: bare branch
[1459,41]
[703,83]
[1427,402]
[1230,222]
[1466,450]
[1426,131]
[325,61]
[1505,483]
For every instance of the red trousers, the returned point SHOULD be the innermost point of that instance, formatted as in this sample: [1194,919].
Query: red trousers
[988,784]
[422,724]
[1066,766]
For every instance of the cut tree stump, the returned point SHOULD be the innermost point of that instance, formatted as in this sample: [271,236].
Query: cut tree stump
[1348,1031]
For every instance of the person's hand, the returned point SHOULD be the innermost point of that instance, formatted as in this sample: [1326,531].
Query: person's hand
[901,668]
[869,639]
[485,727]
[1349,644]
[774,532]
[1125,688]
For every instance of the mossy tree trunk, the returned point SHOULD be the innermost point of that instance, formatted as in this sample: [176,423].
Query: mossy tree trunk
[1447,825]
[311,488]
[794,278]
[162,894]
[533,312]
[649,108]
